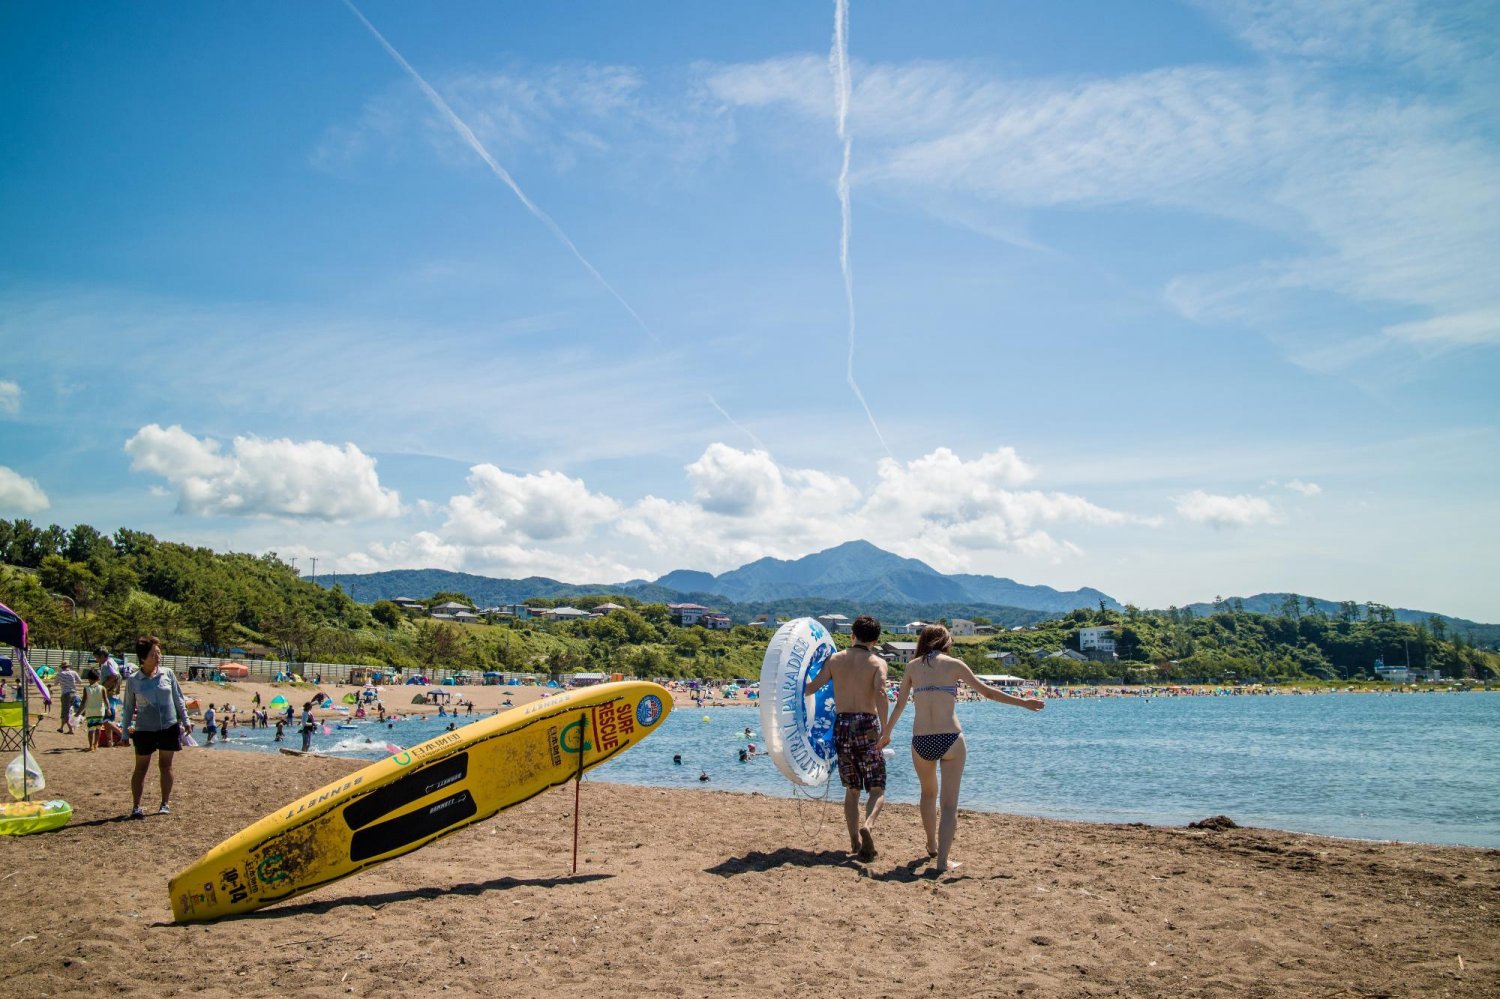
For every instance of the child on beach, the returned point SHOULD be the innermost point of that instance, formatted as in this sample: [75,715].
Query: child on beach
[95,703]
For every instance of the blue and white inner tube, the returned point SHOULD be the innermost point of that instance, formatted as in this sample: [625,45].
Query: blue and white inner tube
[798,730]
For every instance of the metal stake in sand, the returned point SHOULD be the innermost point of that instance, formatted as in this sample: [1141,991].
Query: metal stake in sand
[583,728]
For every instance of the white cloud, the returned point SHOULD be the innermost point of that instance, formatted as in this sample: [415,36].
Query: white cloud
[19,494]
[546,506]
[743,505]
[10,398]
[1305,488]
[566,113]
[1224,511]
[1386,195]
[263,478]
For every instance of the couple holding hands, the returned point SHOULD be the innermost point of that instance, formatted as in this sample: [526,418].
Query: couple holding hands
[862,730]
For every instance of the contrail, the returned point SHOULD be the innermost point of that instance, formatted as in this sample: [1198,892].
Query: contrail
[467,134]
[735,423]
[839,59]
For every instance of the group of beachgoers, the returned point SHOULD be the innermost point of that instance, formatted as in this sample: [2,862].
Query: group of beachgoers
[865,720]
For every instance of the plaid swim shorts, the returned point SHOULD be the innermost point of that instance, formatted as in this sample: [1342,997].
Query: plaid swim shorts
[861,764]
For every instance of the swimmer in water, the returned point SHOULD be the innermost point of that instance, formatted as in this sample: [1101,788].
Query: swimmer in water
[704,776]
[677,759]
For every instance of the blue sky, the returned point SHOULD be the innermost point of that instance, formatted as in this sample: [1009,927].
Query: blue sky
[1174,300]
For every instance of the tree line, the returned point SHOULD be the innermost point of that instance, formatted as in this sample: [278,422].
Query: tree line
[79,588]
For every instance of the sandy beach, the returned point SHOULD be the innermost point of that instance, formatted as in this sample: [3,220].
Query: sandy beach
[711,893]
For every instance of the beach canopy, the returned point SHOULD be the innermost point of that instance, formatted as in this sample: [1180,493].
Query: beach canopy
[235,671]
[12,628]
[419,699]
[349,698]
[277,702]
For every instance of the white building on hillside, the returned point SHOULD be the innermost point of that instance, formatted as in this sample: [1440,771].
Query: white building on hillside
[1096,639]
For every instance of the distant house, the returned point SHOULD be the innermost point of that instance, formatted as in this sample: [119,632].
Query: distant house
[1077,657]
[1391,674]
[985,629]
[603,609]
[911,628]
[898,651]
[838,624]
[408,603]
[716,621]
[765,621]
[686,615]
[466,617]
[448,609]
[1100,639]
[1008,659]
[567,613]
[961,627]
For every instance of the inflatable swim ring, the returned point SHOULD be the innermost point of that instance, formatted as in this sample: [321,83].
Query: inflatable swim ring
[798,730]
[18,818]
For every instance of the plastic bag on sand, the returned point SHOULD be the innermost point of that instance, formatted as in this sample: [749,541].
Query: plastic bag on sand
[189,742]
[24,767]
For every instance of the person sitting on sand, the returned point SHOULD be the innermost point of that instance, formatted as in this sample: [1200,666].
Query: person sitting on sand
[936,735]
[858,676]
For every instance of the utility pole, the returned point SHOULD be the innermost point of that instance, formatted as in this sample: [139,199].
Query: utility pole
[294,566]
[315,571]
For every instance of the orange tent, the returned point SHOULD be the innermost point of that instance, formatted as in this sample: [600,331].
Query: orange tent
[234,671]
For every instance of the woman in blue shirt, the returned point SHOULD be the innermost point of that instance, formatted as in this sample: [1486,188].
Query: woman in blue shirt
[156,716]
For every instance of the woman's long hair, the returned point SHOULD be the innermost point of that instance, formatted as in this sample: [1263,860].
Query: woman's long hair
[934,638]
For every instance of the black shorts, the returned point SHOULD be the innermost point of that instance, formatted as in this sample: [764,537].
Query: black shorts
[168,740]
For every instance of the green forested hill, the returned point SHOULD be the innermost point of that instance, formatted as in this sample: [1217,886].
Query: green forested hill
[79,588]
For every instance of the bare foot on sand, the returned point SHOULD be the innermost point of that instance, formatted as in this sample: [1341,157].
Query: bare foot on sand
[867,849]
[950,867]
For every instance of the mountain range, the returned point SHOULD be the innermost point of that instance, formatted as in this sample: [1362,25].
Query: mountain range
[853,575]
[853,572]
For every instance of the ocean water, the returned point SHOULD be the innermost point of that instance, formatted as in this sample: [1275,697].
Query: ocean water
[1412,767]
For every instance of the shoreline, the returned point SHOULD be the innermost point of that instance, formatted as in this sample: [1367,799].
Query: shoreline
[687,892]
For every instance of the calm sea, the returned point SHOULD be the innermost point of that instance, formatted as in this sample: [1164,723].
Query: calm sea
[1414,767]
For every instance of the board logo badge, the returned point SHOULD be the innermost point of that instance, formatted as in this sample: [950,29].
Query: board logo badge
[649,710]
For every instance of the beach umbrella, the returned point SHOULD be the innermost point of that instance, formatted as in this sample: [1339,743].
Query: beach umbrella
[277,702]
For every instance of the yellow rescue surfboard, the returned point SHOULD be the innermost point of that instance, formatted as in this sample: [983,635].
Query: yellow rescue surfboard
[418,795]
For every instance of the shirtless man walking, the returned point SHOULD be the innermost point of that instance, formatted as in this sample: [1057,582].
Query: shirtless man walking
[858,676]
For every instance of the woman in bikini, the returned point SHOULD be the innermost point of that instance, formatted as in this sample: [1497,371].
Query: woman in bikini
[931,681]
